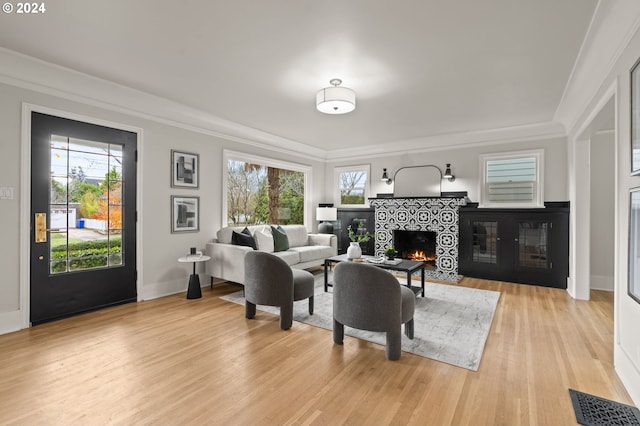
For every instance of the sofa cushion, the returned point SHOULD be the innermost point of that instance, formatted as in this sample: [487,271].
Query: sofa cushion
[310,253]
[264,239]
[280,240]
[297,235]
[289,256]
[243,238]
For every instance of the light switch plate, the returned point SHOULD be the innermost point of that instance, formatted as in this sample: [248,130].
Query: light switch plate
[6,193]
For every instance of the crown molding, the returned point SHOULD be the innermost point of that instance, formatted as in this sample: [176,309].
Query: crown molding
[40,76]
[612,27]
[515,134]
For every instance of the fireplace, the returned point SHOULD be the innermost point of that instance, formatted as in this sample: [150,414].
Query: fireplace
[436,214]
[416,245]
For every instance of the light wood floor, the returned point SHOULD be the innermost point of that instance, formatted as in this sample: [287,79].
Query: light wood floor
[177,361]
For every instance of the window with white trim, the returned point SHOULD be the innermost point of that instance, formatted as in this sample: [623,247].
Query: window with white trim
[352,186]
[512,179]
[264,190]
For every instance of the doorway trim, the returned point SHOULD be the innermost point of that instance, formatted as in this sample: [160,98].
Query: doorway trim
[25,198]
[579,284]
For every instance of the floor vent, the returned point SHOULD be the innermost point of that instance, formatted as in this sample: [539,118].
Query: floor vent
[591,411]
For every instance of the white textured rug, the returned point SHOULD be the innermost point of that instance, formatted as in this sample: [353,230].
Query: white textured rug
[451,323]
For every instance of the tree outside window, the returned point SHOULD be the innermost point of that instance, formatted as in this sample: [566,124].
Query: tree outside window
[353,185]
[258,193]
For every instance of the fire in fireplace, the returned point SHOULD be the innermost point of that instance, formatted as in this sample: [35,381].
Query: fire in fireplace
[416,245]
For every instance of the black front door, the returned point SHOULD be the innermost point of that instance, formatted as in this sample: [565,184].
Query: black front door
[83,217]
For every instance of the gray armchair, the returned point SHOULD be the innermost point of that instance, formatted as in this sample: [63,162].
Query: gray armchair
[268,280]
[370,298]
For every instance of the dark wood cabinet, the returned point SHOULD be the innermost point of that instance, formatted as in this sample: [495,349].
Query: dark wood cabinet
[529,246]
[362,220]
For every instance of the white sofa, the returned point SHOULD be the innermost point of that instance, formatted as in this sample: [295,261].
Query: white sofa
[305,250]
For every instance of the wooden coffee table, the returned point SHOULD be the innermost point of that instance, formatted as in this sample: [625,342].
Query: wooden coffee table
[407,266]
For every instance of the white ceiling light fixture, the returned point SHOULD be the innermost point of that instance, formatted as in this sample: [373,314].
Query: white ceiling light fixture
[336,100]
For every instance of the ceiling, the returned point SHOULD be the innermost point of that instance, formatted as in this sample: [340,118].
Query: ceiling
[420,68]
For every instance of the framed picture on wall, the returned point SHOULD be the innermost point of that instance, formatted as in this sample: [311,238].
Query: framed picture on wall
[185,214]
[185,169]
[634,244]
[635,119]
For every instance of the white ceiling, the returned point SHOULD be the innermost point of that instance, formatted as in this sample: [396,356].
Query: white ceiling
[420,68]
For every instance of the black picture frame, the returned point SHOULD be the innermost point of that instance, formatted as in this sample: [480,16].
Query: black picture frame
[185,169]
[635,119]
[185,214]
[633,285]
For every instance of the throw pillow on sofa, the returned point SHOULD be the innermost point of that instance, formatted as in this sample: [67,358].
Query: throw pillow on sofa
[243,238]
[280,239]
[264,239]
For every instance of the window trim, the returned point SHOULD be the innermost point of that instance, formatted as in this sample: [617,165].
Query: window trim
[336,184]
[228,154]
[538,199]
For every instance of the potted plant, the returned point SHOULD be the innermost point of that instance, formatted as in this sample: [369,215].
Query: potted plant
[354,251]
[390,252]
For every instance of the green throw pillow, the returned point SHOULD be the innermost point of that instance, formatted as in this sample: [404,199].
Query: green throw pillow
[280,239]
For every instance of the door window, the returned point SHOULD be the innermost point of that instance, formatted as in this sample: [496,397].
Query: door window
[86,205]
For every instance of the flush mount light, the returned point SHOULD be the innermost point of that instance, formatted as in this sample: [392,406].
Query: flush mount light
[336,100]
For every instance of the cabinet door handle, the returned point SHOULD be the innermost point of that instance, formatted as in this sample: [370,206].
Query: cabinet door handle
[515,239]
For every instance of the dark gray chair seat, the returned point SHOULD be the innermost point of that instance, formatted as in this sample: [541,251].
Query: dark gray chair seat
[370,298]
[268,280]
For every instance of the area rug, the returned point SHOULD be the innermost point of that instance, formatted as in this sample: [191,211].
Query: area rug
[451,323]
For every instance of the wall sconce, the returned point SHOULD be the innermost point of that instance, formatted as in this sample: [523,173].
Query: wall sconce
[447,173]
[385,177]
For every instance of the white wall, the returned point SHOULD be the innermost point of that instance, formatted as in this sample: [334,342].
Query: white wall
[602,177]
[159,249]
[591,95]
[465,165]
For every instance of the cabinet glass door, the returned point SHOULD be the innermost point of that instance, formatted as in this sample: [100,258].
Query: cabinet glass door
[532,244]
[485,241]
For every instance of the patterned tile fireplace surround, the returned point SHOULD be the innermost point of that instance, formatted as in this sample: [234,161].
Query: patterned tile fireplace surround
[437,214]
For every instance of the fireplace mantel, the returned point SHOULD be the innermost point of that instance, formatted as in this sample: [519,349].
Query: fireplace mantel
[437,214]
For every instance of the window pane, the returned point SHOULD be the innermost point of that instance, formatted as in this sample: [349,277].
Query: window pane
[352,187]
[511,180]
[261,194]
[512,170]
[85,203]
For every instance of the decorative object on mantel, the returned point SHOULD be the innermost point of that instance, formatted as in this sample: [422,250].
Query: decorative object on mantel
[326,215]
[354,251]
[336,100]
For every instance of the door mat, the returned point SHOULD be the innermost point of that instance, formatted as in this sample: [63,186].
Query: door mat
[591,410]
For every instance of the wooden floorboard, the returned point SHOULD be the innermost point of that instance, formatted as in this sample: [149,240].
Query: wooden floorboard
[178,361]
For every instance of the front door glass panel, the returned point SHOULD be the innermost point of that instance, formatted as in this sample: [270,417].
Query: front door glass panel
[85,205]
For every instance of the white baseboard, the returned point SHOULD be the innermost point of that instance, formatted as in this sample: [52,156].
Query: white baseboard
[601,282]
[10,321]
[628,372]
[167,288]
